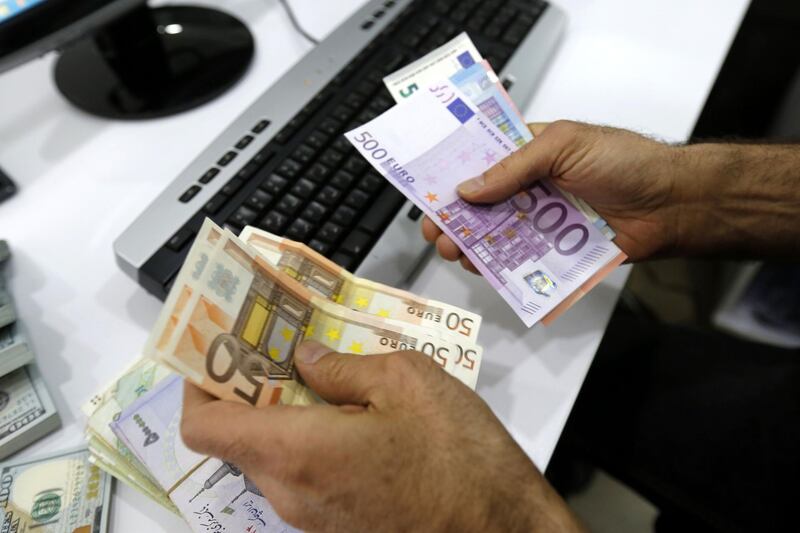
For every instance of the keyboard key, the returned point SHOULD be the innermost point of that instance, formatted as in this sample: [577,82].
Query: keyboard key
[289,168]
[289,205]
[244,142]
[232,186]
[190,193]
[355,165]
[343,113]
[227,158]
[180,239]
[274,222]
[274,184]
[318,172]
[329,195]
[345,261]
[371,183]
[304,188]
[260,126]
[382,211]
[315,212]
[216,202]
[342,180]
[304,154]
[262,157]
[330,126]
[343,145]
[330,233]
[210,174]
[414,213]
[320,247]
[357,243]
[331,158]
[244,216]
[317,139]
[300,230]
[247,171]
[357,199]
[259,200]
[355,100]
[344,216]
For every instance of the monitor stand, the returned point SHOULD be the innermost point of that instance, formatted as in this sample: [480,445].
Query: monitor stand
[155,62]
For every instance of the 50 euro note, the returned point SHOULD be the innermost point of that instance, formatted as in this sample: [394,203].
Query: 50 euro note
[240,322]
[536,249]
[211,495]
[338,285]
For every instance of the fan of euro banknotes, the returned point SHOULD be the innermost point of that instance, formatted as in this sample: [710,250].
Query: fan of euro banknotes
[241,303]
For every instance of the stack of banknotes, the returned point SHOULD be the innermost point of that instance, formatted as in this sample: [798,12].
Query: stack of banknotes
[27,412]
[542,249]
[238,308]
[60,493]
[241,304]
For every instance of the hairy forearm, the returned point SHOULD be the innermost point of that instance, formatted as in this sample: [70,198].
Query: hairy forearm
[738,200]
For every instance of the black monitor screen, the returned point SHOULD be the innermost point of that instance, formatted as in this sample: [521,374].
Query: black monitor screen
[9,8]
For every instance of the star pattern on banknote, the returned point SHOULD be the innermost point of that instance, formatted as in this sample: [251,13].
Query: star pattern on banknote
[432,197]
[489,239]
[287,334]
[465,156]
[490,157]
[356,347]
[444,217]
[310,330]
[333,334]
[521,215]
[274,353]
[362,302]
[339,298]
[384,313]
[466,232]
[510,233]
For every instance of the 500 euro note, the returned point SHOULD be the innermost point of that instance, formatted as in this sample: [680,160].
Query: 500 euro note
[536,249]
[237,326]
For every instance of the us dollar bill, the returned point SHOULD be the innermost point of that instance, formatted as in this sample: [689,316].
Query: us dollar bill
[14,349]
[59,493]
[27,413]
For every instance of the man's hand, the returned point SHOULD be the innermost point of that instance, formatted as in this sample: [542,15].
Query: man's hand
[402,447]
[627,178]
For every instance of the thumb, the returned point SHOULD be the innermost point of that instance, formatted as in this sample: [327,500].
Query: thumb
[338,378]
[519,170]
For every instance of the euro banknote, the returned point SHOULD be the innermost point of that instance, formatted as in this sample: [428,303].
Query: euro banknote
[334,283]
[337,284]
[535,249]
[106,450]
[458,60]
[234,330]
[210,494]
[60,493]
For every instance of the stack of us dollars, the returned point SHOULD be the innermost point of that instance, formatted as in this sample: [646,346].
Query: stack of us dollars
[238,308]
[27,412]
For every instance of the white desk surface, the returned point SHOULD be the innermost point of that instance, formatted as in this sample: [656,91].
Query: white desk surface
[645,65]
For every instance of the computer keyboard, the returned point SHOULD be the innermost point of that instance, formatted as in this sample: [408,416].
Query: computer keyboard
[306,181]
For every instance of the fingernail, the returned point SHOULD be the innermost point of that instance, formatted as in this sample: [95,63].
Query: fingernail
[309,352]
[472,185]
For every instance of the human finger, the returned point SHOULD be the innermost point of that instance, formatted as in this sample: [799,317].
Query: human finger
[430,231]
[466,264]
[447,248]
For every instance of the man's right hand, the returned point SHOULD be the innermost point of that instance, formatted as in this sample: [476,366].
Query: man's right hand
[627,178]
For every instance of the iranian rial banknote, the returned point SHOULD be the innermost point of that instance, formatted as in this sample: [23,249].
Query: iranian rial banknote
[107,451]
[535,249]
[234,329]
[211,495]
[60,493]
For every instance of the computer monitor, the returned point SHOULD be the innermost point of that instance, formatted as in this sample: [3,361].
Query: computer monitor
[122,59]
